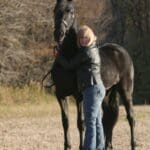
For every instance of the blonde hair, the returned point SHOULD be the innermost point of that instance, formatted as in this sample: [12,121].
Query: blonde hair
[85,31]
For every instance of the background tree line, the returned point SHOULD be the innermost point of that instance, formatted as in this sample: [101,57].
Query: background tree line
[26,37]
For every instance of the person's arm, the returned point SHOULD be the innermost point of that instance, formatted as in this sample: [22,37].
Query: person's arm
[73,63]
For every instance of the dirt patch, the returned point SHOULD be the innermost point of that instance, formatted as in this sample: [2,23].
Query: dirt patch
[46,133]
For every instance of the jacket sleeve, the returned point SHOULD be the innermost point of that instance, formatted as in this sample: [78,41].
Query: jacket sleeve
[73,63]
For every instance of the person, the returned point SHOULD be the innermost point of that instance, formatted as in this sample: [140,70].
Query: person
[87,64]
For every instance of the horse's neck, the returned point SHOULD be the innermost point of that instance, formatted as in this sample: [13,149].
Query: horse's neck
[69,46]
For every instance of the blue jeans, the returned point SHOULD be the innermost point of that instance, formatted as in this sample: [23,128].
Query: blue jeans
[92,100]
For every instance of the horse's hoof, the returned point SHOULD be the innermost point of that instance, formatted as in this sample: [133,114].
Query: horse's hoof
[68,147]
[133,145]
[81,148]
[109,147]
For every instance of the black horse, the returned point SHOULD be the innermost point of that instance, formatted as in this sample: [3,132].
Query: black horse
[117,74]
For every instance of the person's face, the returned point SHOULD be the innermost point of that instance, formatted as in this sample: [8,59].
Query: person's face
[84,41]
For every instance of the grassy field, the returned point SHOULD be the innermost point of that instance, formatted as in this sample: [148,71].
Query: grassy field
[27,124]
[38,127]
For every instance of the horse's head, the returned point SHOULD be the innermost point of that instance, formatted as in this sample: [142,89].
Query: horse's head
[64,17]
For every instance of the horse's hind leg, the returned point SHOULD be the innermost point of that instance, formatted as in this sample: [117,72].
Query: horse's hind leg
[126,91]
[65,121]
[110,116]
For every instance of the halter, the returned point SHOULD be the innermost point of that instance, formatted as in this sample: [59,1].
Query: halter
[65,23]
[66,26]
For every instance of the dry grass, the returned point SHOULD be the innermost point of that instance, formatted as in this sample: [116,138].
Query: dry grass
[25,27]
[30,94]
[30,120]
[26,101]
[38,127]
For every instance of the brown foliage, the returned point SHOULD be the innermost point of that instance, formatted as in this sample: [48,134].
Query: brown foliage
[26,35]
[25,27]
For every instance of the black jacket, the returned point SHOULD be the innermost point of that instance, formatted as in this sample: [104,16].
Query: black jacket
[87,63]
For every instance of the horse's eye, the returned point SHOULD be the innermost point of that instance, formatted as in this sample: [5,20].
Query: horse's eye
[68,10]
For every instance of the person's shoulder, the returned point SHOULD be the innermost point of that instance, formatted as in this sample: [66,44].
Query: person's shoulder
[94,47]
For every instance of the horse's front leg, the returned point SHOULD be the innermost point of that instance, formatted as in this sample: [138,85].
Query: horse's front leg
[80,120]
[65,121]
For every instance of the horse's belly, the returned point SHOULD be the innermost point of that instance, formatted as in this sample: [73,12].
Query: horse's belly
[110,76]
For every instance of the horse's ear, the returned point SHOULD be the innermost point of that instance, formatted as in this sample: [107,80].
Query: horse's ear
[58,1]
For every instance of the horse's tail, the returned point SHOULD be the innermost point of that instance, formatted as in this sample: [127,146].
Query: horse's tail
[45,76]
